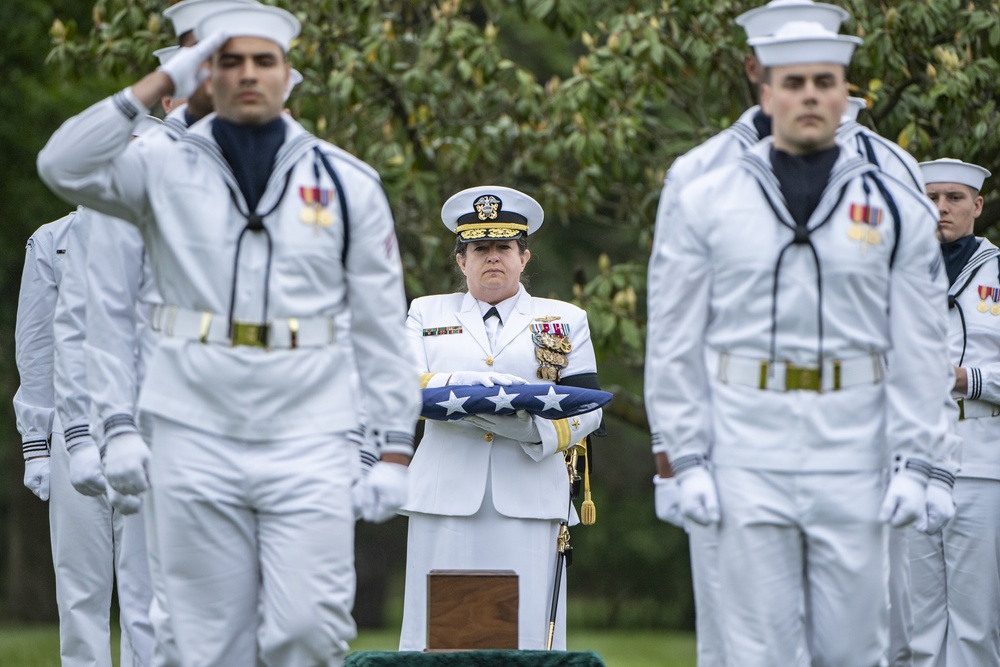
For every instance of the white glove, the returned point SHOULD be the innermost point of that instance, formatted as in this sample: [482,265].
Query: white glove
[36,477]
[485,378]
[519,426]
[905,501]
[699,499]
[378,495]
[940,507]
[126,463]
[124,504]
[667,500]
[85,467]
[186,69]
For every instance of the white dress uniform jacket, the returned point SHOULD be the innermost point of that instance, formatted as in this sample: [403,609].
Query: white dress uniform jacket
[34,344]
[184,198]
[975,345]
[120,297]
[84,531]
[70,330]
[722,149]
[955,593]
[720,302]
[448,475]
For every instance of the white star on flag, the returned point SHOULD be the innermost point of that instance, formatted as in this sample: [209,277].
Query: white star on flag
[502,400]
[454,404]
[551,400]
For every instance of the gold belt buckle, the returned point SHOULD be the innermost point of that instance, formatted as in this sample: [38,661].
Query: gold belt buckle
[251,334]
[799,378]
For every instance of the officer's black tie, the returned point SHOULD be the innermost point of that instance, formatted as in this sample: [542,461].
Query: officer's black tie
[491,313]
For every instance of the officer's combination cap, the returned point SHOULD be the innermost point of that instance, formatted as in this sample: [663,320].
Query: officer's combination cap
[491,213]
[804,43]
[252,20]
[950,170]
[186,15]
[766,20]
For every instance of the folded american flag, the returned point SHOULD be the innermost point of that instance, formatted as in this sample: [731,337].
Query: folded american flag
[550,401]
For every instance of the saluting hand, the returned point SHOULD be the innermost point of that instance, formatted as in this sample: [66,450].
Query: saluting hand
[186,69]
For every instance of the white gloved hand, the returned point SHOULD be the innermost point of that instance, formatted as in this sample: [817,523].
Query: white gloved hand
[378,495]
[36,476]
[940,507]
[485,378]
[186,68]
[85,467]
[667,500]
[124,504]
[519,426]
[905,501]
[126,463]
[699,498]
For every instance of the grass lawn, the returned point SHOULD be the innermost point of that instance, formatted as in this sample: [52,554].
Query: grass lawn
[38,646]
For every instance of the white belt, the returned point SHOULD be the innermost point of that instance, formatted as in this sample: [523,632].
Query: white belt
[785,376]
[976,409]
[278,333]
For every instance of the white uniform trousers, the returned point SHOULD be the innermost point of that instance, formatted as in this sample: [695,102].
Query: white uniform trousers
[135,589]
[165,652]
[703,543]
[955,577]
[790,542]
[86,538]
[255,541]
[487,540]
[900,606]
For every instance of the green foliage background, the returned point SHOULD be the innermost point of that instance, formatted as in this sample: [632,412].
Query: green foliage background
[582,103]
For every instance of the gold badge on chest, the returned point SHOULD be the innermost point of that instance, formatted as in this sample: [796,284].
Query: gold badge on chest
[552,346]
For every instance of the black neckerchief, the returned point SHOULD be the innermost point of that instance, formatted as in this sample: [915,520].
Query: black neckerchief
[190,120]
[803,179]
[956,255]
[250,151]
[762,122]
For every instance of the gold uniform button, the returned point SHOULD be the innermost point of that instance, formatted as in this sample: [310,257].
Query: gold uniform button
[489,361]
[488,437]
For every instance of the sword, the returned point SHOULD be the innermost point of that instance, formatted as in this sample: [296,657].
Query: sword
[564,552]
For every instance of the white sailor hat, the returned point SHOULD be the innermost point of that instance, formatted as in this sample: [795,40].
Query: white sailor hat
[766,20]
[252,20]
[854,107]
[166,53]
[949,170]
[803,43]
[186,15]
[294,79]
[490,213]
[145,125]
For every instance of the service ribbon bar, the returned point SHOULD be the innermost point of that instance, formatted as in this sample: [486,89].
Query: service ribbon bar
[442,331]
